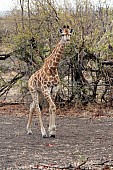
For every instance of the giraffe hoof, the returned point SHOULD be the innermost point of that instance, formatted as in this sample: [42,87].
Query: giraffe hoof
[29,133]
[52,136]
[44,136]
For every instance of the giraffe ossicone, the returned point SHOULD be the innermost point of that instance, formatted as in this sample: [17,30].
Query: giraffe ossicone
[46,81]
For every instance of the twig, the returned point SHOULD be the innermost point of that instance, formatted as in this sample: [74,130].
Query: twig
[83,163]
[56,167]
[102,163]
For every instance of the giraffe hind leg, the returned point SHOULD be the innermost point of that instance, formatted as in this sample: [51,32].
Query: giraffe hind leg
[32,108]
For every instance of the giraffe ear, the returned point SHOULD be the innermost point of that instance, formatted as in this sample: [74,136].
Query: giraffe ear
[71,30]
[67,26]
[60,30]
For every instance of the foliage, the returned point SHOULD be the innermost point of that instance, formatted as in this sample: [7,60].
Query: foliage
[31,32]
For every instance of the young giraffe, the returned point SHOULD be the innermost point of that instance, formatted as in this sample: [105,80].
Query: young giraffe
[45,80]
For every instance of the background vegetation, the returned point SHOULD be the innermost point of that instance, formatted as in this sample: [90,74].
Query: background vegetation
[29,33]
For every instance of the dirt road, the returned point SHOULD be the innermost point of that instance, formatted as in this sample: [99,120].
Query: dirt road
[77,139]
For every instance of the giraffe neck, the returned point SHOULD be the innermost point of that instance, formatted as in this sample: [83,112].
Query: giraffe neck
[56,55]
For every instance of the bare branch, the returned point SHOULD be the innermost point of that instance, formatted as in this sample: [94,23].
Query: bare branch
[4,56]
[5,88]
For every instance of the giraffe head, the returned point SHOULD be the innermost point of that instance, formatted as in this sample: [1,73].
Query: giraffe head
[66,33]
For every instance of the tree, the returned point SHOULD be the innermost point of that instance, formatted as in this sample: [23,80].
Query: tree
[31,32]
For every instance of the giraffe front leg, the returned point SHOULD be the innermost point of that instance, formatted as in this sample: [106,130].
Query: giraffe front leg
[43,132]
[52,111]
[52,126]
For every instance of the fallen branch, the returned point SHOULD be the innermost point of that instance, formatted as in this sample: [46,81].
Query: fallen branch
[10,103]
[4,56]
[107,63]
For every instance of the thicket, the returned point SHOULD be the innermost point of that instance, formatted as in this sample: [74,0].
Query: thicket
[29,33]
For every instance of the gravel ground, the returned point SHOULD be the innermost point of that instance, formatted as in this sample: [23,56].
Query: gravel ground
[77,139]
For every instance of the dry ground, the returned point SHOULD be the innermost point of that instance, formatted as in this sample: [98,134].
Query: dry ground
[79,137]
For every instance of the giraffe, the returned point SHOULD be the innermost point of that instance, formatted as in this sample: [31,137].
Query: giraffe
[46,81]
